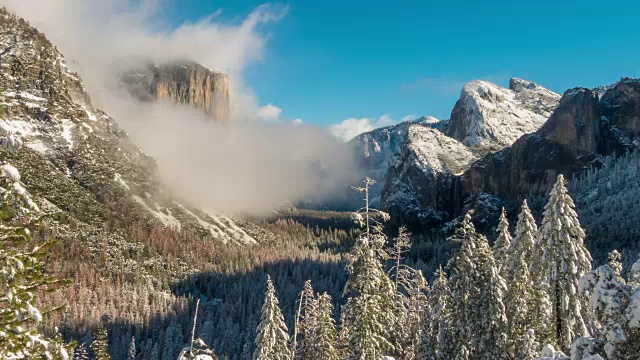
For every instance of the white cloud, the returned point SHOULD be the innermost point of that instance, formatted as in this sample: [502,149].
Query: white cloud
[352,127]
[409,117]
[296,121]
[269,112]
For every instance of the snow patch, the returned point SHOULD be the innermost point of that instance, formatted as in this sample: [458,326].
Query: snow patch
[38,146]
[21,127]
[66,132]
[166,219]
[118,179]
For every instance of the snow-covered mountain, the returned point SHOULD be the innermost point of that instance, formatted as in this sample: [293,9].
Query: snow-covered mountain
[375,150]
[77,160]
[425,164]
[415,162]
[488,117]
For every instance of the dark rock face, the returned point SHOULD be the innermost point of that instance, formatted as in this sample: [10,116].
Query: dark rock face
[183,83]
[531,165]
[579,130]
[576,121]
[621,105]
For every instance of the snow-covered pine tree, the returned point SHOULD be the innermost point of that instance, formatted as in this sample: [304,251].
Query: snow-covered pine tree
[490,322]
[433,336]
[478,321]
[369,314]
[523,244]
[132,349]
[24,276]
[307,324]
[520,305]
[81,352]
[529,348]
[633,276]
[411,299]
[324,336]
[537,311]
[615,306]
[614,261]
[100,345]
[273,337]
[503,242]
[562,260]
[413,308]
[461,268]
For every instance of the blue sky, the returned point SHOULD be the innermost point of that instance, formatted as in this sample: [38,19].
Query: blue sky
[330,60]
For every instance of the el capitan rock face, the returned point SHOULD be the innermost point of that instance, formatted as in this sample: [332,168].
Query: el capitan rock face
[182,83]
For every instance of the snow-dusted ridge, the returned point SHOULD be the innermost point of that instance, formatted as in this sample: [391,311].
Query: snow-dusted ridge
[489,117]
[78,157]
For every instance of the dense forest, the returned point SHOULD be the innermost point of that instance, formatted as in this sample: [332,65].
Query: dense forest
[317,292]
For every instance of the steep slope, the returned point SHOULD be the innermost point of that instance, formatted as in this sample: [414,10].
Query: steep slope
[375,150]
[426,164]
[580,130]
[77,159]
[182,83]
[488,117]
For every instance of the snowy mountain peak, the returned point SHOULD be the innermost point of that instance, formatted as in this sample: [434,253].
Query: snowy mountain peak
[428,120]
[488,117]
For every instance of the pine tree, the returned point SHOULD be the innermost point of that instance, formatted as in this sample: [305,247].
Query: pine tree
[491,343]
[132,349]
[521,308]
[532,311]
[503,242]
[81,352]
[308,323]
[609,299]
[272,340]
[369,313]
[523,245]
[22,266]
[562,261]
[100,345]
[614,263]
[461,267]
[411,299]
[633,277]
[529,349]
[478,321]
[434,335]
[322,344]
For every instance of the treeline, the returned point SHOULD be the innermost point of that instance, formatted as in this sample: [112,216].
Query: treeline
[522,299]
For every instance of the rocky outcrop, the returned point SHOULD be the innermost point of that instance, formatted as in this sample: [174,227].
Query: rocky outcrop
[183,83]
[488,117]
[419,189]
[374,151]
[580,130]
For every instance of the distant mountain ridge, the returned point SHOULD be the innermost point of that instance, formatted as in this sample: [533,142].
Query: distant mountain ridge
[583,127]
[407,159]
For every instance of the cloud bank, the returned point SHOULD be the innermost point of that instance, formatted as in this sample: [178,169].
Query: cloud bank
[352,127]
[249,166]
